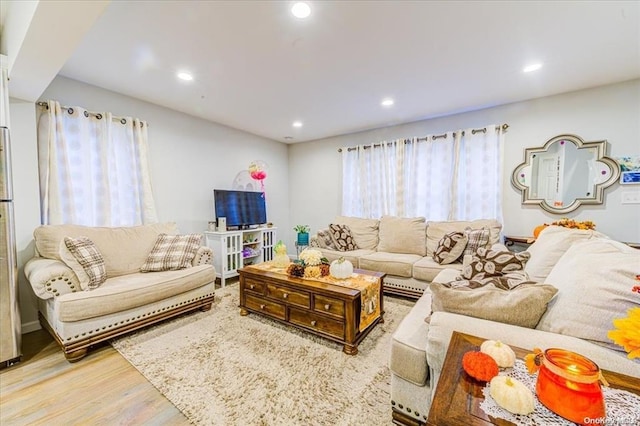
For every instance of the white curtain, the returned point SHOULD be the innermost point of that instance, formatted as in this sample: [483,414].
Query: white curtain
[451,176]
[370,184]
[93,168]
[478,175]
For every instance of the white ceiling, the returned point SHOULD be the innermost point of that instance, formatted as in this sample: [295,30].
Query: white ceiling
[257,68]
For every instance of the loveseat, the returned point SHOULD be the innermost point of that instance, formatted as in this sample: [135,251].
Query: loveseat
[401,247]
[82,303]
[596,281]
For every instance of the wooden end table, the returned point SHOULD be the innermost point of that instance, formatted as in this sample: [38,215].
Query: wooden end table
[457,398]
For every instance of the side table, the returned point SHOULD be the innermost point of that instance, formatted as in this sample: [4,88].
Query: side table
[457,397]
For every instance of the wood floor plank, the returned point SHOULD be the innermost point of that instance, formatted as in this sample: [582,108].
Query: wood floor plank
[101,389]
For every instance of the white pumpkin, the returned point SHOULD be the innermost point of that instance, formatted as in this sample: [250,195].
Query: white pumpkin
[501,353]
[512,395]
[341,268]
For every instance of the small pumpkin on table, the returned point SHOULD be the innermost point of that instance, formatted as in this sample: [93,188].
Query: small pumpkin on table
[507,392]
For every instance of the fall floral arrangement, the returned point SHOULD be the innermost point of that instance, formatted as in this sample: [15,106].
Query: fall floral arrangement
[566,223]
[627,332]
[310,264]
[570,223]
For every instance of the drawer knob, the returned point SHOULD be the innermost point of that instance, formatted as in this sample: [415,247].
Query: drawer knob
[261,306]
[327,307]
[285,295]
[252,286]
[313,323]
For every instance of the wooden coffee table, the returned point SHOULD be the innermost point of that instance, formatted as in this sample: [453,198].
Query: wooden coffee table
[326,310]
[457,398]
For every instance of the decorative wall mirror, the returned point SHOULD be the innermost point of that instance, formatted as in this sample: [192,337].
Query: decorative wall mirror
[565,173]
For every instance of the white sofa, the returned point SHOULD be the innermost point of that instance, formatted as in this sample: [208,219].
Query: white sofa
[400,247]
[127,300]
[594,276]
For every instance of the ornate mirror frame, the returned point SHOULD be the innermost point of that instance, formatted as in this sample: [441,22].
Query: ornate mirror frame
[602,170]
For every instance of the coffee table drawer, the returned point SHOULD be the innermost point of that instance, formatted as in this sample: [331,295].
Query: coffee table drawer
[317,322]
[254,286]
[290,296]
[328,305]
[267,307]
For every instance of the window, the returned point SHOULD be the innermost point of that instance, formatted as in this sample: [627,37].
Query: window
[93,168]
[453,176]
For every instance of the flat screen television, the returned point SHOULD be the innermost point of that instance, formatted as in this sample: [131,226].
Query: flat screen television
[242,209]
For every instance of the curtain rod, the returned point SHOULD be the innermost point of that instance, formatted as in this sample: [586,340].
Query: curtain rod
[97,115]
[444,135]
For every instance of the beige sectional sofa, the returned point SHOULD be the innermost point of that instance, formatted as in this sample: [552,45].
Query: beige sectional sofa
[400,247]
[594,276]
[127,300]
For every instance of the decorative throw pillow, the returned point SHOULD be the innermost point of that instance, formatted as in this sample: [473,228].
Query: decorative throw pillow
[324,240]
[505,282]
[172,252]
[596,279]
[491,263]
[522,305]
[551,245]
[86,261]
[477,238]
[342,238]
[450,248]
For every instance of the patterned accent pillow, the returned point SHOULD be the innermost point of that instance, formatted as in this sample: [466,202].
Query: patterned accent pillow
[477,238]
[490,263]
[172,252]
[522,305]
[342,238]
[450,248]
[86,261]
[324,239]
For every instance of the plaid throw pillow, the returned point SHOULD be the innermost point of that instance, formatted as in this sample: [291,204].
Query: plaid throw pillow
[87,262]
[172,252]
[477,238]
[324,239]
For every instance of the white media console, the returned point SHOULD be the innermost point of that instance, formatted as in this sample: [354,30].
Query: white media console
[235,249]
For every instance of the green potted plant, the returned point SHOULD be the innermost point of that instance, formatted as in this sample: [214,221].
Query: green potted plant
[303,234]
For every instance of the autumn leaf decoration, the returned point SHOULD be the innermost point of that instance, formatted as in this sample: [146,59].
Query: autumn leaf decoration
[533,361]
[627,333]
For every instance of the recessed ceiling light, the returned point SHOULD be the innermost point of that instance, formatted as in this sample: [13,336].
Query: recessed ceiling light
[387,102]
[301,10]
[532,67]
[183,75]
[297,124]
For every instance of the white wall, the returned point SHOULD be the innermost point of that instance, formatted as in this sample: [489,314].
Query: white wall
[608,112]
[189,158]
[26,200]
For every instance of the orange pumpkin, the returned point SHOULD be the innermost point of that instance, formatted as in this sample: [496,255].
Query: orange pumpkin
[538,229]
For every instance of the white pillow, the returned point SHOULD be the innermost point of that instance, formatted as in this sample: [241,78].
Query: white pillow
[550,245]
[594,279]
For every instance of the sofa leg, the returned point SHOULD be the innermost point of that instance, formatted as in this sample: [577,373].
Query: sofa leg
[206,307]
[76,355]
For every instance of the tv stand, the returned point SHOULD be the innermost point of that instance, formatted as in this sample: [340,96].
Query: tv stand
[234,249]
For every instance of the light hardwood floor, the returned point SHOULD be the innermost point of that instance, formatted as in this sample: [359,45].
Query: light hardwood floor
[101,389]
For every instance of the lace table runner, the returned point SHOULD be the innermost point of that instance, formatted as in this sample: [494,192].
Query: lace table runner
[622,407]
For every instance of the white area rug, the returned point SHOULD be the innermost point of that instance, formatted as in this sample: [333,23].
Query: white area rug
[220,368]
